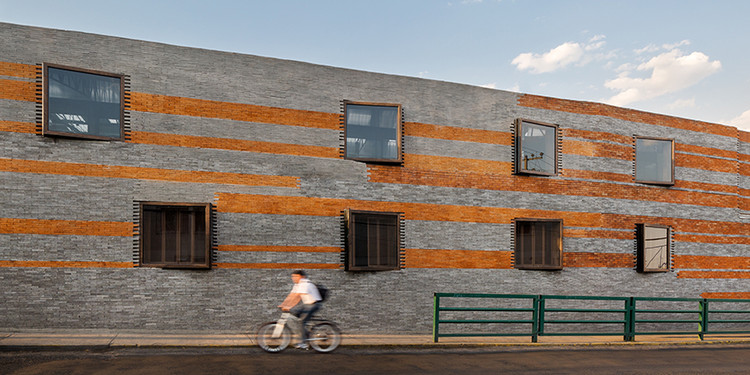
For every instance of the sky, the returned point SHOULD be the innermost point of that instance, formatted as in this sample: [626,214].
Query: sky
[684,58]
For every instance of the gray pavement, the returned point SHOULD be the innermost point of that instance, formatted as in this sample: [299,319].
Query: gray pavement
[34,338]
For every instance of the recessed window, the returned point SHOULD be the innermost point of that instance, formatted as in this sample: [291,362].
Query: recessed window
[538,244]
[373,132]
[654,161]
[653,244]
[373,241]
[175,235]
[82,103]
[536,148]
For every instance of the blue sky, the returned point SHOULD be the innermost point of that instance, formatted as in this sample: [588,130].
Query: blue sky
[685,58]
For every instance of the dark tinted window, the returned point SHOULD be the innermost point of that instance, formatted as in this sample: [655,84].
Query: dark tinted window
[175,235]
[538,244]
[373,242]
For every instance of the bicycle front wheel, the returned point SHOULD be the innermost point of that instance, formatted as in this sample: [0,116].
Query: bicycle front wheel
[271,344]
[325,337]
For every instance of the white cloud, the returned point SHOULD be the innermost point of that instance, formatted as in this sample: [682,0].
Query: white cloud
[556,58]
[492,85]
[742,121]
[670,72]
[559,57]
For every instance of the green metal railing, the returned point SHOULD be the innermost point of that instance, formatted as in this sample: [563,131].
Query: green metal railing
[549,315]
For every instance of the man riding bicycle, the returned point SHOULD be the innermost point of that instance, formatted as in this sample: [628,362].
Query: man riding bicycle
[306,292]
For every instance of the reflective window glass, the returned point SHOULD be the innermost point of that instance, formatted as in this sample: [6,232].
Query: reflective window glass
[83,104]
[373,132]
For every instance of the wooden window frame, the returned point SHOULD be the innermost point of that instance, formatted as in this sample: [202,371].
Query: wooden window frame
[518,139]
[144,235]
[635,156]
[518,252]
[45,105]
[641,248]
[351,242]
[399,133]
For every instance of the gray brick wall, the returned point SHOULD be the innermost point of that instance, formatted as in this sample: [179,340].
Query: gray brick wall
[230,299]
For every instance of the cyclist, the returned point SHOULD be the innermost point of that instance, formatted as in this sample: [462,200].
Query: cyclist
[306,292]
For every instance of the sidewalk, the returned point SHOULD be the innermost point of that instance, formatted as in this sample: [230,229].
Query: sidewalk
[58,338]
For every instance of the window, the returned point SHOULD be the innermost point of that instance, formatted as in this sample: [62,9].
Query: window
[654,161]
[653,243]
[536,148]
[373,241]
[175,235]
[82,104]
[373,132]
[538,244]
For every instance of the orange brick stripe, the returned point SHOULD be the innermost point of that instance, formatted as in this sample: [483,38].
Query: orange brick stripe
[744,136]
[63,264]
[713,239]
[66,227]
[233,144]
[93,170]
[17,90]
[705,163]
[609,260]
[711,262]
[17,70]
[679,147]
[284,249]
[451,164]
[18,127]
[452,133]
[726,295]
[713,275]
[398,175]
[459,259]
[277,266]
[308,206]
[594,149]
[232,111]
[598,109]
[597,136]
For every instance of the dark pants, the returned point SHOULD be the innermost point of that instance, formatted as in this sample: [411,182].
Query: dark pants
[304,313]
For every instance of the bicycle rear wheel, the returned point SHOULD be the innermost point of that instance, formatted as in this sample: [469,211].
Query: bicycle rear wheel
[325,337]
[271,344]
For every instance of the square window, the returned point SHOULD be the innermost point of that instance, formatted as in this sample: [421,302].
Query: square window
[82,103]
[653,248]
[373,132]
[536,148]
[175,235]
[373,241]
[538,244]
[654,161]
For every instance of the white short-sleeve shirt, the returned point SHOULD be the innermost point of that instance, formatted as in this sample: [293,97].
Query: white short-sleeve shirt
[307,291]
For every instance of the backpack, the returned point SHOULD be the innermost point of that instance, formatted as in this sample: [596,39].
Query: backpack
[323,291]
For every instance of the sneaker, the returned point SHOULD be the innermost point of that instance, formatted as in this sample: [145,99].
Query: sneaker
[302,346]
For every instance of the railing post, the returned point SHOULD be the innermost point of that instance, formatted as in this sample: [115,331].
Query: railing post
[535,320]
[436,318]
[541,316]
[630,319]
[704,318]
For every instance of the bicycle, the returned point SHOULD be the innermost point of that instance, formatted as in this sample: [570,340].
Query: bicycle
[324,337]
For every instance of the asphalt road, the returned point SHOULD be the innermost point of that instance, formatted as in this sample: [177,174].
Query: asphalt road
[716,359]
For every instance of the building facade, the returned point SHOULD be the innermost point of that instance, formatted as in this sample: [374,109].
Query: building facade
[149,186]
